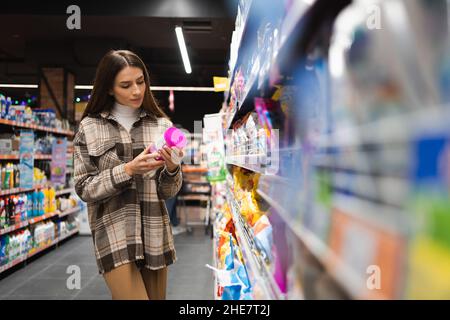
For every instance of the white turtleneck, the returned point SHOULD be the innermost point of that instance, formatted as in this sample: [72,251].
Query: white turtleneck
[125,115]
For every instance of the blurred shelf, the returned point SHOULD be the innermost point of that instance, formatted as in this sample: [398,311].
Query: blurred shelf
[342,273]
[238,46]
[15,227]
[9,157]
[36,127]
[43,157]
[253,168]
[64,191]
[13,263]
[20,190]
[35,251]
[36,157]
[259,273]
[291,20]
[68,235]
[194,169]
[215,264]
[69,211]
[43,217]
[43,248]
[24,224]
[35,220]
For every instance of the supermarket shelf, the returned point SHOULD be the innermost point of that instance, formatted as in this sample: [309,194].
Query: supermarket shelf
[244,106]
[12,263]
[43,217]
[36,127]
[39,250]
[258,271]
[64,191]
[36,157]
[24,224]
[20,190]
[36,251]
[71,233]
[238,45]
[341,272]
[69,211]
[14,227]
[243,162]
[215,264]
[9,157]
[35,220]
[288,32]
[194,169]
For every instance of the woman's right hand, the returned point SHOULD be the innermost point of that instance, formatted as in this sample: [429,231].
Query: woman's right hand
[143,163]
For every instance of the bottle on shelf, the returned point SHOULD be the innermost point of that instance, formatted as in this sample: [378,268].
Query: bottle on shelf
[29,206]
[2,213]
[52,199]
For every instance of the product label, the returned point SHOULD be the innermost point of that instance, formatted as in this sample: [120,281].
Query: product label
[26,153]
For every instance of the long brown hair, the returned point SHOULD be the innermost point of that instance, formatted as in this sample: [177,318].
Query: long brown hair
[110,65]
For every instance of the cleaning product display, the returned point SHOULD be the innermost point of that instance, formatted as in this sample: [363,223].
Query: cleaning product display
[18,246]
[26,115]
[14,246]
[43,234]
[32,219]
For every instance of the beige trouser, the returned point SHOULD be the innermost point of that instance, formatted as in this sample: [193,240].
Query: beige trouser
[127,282]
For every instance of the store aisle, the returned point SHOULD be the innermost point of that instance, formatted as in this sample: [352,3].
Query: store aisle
[46,277]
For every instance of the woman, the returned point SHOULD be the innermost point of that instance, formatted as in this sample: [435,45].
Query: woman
[124,184]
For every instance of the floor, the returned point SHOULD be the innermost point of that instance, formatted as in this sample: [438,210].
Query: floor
[46,276]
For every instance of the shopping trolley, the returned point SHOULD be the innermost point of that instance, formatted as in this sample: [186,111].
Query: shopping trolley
[195,189]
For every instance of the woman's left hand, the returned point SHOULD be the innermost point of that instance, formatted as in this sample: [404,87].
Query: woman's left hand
[172,157]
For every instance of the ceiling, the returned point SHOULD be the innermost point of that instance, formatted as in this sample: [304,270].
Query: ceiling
[35,35]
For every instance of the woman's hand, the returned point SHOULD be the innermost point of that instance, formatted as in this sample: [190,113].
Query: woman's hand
[172,157]
[143,163]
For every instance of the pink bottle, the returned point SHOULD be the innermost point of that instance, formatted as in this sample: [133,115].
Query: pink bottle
[173,137]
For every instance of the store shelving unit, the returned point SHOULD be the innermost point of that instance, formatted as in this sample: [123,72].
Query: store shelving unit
[340,179]
[20,190]
[259,273]
[35,220]
[68,235]
[290,22]
[215,264]
[36,251]
[64,191]
[36,127]
[31,222]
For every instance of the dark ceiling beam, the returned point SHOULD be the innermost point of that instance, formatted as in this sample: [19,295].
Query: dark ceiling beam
[138,8]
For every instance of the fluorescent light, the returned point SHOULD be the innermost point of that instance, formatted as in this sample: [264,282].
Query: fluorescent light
[86,87]
[6,85]
[183,50]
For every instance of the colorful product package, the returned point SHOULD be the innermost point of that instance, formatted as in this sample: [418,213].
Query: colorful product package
[233,276]
[263,237]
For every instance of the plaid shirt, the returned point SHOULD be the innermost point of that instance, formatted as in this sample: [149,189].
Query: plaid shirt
[127,215]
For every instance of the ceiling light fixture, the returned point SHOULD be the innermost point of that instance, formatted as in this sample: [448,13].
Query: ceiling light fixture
[24,86]
[183,50]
